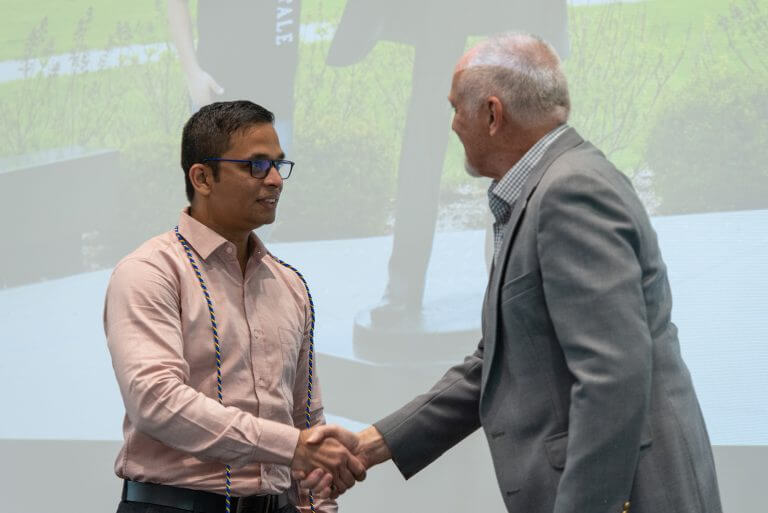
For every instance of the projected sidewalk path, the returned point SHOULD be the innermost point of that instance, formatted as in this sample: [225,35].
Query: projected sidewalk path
[57,380]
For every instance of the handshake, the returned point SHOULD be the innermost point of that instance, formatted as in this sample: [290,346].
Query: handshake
[329,460]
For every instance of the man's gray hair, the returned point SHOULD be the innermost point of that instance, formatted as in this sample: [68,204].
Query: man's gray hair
[523,71]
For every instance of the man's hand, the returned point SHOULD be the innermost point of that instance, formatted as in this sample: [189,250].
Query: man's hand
[202,87]
[369,448]
[332,455]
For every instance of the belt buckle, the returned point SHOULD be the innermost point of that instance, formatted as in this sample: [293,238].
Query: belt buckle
[255,504]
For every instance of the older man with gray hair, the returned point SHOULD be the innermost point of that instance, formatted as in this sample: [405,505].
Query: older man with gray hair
[577,381]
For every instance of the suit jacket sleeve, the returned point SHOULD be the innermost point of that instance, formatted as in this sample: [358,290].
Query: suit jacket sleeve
[422,430]
[589,249]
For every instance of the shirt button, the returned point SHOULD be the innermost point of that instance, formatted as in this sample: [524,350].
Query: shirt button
[229,249]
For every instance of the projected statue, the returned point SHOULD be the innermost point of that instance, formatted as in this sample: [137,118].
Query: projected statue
[246,50]
[438,31]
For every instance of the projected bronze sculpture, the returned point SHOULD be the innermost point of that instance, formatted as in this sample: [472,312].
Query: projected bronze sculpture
[438,33]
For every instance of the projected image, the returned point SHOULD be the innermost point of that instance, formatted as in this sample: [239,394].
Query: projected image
[379,214]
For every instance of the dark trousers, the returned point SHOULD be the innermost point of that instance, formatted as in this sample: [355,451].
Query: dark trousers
[141,507]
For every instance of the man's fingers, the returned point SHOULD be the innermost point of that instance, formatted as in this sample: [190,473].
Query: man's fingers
[319,483]
[356,467]
[309,481]
[347,438]
[345,480]
[325,482]
[323,489]
[323,493]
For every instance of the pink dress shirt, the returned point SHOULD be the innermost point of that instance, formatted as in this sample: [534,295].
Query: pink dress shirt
[159,335]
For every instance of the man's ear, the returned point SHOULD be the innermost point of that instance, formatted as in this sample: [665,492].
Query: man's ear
[201,177]
[495,111]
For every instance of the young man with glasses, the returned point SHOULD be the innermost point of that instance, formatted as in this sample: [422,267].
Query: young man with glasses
[210,338]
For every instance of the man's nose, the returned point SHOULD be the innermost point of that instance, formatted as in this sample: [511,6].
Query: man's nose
[273,177]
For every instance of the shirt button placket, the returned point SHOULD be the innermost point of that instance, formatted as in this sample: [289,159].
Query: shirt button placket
[258,374]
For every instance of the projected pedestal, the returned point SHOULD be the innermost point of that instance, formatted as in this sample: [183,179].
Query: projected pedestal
[56,203]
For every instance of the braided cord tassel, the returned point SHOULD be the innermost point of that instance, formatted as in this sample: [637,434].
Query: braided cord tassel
[217,347]
[311,355]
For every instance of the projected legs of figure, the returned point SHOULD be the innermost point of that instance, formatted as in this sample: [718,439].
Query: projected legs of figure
[425,139]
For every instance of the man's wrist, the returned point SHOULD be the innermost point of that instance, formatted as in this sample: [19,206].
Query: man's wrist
[277,443]
[372,447]
[298,452]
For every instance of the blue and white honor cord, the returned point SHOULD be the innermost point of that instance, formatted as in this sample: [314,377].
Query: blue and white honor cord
[217,347]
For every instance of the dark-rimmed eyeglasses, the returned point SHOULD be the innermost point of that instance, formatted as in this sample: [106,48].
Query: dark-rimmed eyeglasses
[260,167]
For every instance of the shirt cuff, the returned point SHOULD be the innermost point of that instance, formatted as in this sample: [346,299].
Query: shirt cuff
[278,441]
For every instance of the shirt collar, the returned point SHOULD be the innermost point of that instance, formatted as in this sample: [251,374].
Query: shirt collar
[205,241]
[511,184]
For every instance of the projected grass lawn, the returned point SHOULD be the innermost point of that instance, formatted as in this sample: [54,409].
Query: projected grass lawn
[625,85]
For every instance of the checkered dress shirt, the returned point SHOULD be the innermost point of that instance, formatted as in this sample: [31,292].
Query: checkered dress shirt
[503,193]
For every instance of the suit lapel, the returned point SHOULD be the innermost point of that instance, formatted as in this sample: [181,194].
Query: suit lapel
[567,140]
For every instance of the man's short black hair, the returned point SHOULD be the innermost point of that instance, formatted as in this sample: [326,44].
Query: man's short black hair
[208,131]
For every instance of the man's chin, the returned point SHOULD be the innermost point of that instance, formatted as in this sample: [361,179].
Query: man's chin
[261,223]
[471,170]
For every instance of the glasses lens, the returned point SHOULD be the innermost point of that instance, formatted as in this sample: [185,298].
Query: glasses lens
[260,168]
[284,167]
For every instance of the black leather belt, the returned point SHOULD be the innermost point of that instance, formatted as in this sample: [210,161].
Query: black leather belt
[199,501]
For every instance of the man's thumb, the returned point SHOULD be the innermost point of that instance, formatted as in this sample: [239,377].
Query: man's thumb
[320,433]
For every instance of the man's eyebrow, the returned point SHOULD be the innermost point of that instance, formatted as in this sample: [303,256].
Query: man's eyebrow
[261,156]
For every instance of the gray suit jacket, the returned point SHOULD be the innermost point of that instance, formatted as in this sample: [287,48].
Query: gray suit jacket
[578,381]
